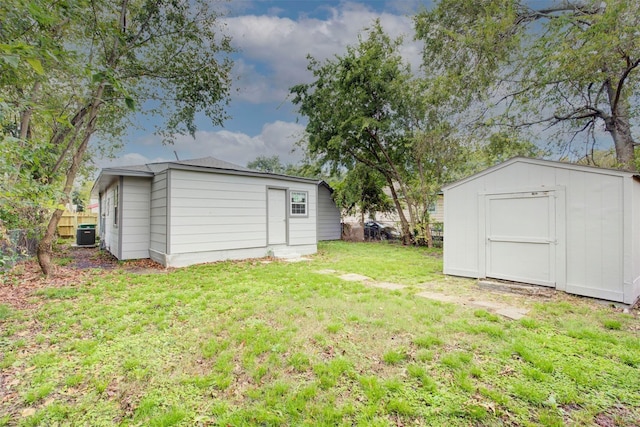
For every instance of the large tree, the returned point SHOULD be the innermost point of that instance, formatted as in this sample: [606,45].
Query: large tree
[573,67]
[31,44]
[438,148]
[267,164]
[308,167]
[353,107]
[73,69]
[361,190]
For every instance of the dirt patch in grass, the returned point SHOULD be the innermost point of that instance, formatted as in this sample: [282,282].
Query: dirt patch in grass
[72,266]
[616,416]
[94,258]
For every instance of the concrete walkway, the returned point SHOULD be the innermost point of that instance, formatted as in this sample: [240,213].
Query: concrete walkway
[507,311]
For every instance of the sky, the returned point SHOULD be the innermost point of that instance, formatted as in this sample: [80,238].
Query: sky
[273,39]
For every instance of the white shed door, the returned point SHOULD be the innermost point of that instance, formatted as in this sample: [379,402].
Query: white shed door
[277,216]
[521,237]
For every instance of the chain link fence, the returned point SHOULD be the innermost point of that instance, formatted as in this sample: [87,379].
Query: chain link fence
[17,245]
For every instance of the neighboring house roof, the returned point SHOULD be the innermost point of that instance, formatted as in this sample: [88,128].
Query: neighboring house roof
[548,163]
[207,164]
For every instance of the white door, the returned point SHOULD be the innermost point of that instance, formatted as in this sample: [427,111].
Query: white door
[521,237]
[277,216]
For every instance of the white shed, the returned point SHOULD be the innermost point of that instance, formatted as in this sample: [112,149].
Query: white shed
[203,210]
[574,228]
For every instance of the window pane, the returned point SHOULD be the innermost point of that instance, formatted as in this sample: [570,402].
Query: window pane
[298,202]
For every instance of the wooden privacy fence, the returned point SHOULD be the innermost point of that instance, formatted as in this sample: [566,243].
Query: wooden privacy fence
[69,222]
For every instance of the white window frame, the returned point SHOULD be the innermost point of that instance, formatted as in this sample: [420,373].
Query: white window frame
[293,204]
[115,205]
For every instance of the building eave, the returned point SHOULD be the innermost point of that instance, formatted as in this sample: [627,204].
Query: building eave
[229,171]
[547,163]
[108,175]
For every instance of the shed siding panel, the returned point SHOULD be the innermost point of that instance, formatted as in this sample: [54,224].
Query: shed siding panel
[595,223]
[158,209]
[632,285]
[135,221]
[217,212]
[328,216]
[576,228]
[461,230]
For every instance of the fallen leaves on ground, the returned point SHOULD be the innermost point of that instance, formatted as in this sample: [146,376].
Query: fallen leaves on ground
[21,282]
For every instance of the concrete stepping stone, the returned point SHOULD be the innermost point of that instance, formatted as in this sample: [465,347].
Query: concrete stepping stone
[353,277]
[512,313]
[439,297]
[485,304]
[387,285]
[507,311]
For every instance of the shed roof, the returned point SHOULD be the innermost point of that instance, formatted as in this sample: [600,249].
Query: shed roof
[548,163]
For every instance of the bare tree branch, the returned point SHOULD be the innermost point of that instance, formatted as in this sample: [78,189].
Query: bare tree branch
[529,15]
[631,65]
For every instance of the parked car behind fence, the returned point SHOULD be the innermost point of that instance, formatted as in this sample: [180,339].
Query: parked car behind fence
[377,231]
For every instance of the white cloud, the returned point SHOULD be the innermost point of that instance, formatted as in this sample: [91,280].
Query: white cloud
[277,138]
[274,49]
[129,159]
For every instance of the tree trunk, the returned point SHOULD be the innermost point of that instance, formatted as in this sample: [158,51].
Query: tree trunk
[404,224]
[405,193]
[618,126]
[623,141]
[427,225]
[45,245]
[25,119]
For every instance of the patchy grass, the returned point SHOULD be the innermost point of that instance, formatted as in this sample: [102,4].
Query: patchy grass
[246,343]
[5,311]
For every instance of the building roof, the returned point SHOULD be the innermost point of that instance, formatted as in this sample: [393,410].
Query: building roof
[135,168]
[205,164]
[212,162]
[548,163]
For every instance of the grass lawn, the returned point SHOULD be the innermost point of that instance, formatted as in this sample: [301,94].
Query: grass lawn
[251,343]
